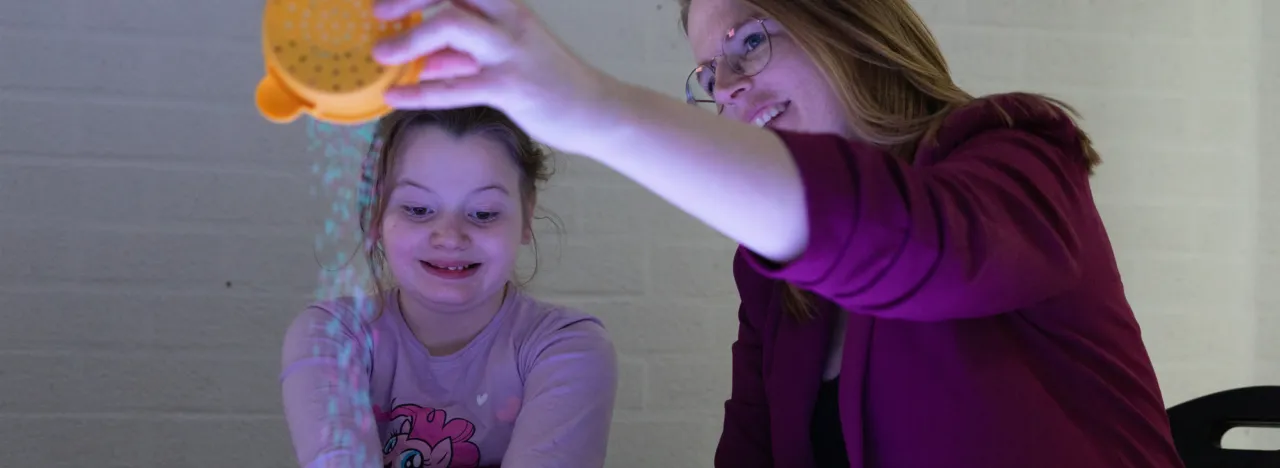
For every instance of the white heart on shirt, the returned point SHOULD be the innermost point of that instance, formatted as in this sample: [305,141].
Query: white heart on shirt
[481,398]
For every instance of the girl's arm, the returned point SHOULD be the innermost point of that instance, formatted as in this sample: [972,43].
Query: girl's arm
[568,399]
[325,383]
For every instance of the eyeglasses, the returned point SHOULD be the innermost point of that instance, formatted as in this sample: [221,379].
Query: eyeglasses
[746,51]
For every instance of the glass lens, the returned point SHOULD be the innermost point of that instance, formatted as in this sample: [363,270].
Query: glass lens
[747,48]
[746,52]
[697,88]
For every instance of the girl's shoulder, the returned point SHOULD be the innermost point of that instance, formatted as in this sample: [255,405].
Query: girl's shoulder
[536,322]
[559,338]
[539,317]
[346,314]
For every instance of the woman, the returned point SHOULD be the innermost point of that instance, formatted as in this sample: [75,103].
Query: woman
[925,279]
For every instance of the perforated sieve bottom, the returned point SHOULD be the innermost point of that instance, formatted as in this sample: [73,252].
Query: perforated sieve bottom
[325,44]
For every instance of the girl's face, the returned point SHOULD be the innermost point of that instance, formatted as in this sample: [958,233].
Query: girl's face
[789,85]
[454,221]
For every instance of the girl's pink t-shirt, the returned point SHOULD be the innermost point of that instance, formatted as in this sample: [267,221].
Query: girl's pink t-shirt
[536,387]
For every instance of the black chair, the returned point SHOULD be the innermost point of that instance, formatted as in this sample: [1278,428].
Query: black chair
[1198,426]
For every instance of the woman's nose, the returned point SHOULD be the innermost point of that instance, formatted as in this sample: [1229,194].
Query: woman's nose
[729,85]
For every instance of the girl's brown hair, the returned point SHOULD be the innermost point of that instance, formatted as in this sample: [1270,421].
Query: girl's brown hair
[888,71]
[532,160]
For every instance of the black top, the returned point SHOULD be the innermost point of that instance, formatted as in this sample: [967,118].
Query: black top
[825,431]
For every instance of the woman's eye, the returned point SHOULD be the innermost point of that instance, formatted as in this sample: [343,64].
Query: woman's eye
[416,211]
[485,216]
[753,41]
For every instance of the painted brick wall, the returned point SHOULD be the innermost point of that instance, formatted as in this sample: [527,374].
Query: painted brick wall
[1268,276]
[156,234]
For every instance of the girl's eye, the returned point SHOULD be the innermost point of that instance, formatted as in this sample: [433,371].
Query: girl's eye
[416,211]
[753,41]
[484,216]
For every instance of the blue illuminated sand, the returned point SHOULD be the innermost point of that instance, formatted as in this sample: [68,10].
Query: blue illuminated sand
[343,175]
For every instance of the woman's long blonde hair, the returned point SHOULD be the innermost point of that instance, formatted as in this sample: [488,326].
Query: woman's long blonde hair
[888,71]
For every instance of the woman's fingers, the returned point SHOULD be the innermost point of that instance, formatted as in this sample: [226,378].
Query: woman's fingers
[448,64]
[489,8]
[454,28]
[483,52]
[391,10]
[443,94]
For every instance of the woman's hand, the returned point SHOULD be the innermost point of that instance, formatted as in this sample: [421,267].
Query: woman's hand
[737,178]
[496,53]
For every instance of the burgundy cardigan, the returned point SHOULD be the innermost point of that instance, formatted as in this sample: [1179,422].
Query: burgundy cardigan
[988,325]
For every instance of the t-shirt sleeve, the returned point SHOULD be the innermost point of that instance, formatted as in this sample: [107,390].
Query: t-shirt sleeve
[325,384]
[568,399]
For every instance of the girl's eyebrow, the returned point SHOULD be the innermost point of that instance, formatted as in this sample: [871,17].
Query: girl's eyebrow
[497,187]
[413,183]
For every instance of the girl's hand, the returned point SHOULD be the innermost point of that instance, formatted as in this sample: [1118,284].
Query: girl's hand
[495,53]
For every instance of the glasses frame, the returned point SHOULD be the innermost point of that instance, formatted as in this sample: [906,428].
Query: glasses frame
[768,44]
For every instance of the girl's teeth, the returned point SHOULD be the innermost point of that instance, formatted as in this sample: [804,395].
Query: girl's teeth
[452,268]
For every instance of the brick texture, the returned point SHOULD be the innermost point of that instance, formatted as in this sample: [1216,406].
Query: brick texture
[156,234]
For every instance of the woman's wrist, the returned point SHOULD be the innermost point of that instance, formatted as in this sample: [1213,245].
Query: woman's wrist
[619,117]
[605,112]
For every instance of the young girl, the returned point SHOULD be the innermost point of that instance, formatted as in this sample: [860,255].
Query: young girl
[925,278]
[457,367]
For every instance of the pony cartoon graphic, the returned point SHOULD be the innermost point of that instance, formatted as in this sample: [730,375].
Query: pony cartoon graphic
[426,437]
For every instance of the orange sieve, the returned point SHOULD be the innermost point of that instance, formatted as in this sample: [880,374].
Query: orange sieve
[319,62]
